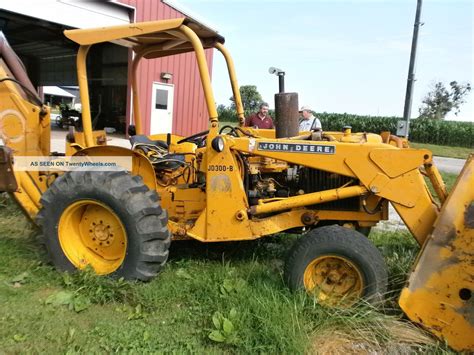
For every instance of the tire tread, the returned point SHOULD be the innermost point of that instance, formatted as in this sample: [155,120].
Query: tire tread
[344,242]
[120,186]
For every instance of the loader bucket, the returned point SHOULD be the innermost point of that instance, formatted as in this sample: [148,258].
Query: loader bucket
[438,294]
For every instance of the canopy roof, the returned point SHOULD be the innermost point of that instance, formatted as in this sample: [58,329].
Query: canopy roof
[163,35]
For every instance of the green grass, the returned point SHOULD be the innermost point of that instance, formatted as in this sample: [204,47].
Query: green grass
[444,151]
[227,123]
[449,180]
[201,290]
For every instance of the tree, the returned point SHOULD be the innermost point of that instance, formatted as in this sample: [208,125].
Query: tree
[226,114]
[251,99]
[440,100]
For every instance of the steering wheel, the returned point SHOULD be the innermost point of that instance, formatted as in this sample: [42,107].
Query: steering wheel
[231,129]
[194,138]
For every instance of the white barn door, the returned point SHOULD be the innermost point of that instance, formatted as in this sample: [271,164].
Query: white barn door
[161,108]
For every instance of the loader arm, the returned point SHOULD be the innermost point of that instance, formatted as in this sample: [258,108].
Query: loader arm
[438,294]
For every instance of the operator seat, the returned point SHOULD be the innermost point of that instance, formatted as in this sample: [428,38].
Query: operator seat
[139,138]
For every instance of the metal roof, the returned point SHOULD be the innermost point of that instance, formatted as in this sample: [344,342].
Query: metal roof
[189,13]
[33,38]
[56,91]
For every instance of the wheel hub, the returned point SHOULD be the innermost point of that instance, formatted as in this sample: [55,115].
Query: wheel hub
[101,234]
[90,233]
[333,279]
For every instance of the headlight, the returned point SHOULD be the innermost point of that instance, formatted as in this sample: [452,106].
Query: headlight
[218,144]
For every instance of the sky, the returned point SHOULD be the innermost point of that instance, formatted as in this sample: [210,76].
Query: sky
[342,56]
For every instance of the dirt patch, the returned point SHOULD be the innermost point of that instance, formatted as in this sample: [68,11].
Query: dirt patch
[393,337]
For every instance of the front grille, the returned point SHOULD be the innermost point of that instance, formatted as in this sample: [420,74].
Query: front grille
[312,180]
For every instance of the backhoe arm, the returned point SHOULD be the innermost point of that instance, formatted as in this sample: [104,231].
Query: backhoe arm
[24,130]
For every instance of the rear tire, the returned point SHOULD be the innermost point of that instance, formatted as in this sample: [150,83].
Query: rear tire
[83,209]
[338,265]
[364,230]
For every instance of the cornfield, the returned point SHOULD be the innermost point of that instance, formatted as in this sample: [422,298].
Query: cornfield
[451,133]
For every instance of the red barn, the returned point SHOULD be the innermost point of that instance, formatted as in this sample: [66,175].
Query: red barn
[171,95]
[172,98]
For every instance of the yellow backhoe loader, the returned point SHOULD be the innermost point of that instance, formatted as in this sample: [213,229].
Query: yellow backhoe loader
[237,183]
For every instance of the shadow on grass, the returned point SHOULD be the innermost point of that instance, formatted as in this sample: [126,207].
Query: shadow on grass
[266,248]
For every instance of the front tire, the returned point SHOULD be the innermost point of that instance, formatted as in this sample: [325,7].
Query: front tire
[338,266]
[109,220]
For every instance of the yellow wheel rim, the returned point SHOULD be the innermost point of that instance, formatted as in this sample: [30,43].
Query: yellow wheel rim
[334,281]
[90,233]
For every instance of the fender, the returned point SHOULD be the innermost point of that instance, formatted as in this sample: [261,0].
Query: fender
[141,166]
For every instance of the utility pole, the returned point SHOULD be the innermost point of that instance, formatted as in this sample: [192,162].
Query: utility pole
[411,69]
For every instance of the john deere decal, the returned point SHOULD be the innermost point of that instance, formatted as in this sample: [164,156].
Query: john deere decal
[297,148]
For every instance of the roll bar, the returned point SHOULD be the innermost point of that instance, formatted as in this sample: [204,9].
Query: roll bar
[185,34]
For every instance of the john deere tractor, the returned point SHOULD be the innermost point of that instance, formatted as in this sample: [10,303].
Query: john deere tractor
[238,183]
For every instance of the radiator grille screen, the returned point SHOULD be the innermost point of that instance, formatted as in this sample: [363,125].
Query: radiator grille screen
[312,180]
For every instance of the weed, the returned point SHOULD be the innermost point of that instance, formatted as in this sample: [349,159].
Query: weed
[224,329]
[100,290]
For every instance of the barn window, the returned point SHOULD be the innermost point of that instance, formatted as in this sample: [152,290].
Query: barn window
[161,102]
